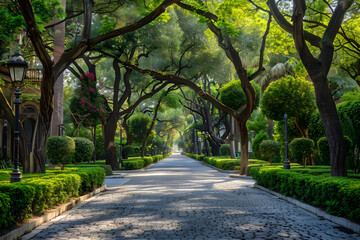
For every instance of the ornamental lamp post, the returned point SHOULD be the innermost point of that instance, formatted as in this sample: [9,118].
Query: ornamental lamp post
[286,160]
[120,119]
[17,68]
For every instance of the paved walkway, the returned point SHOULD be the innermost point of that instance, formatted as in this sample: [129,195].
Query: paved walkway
[179,198]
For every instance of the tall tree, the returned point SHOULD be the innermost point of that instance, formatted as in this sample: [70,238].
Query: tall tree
[52,71]
[318,69]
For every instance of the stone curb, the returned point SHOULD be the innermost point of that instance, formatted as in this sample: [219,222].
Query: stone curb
[50,214]
[317,211]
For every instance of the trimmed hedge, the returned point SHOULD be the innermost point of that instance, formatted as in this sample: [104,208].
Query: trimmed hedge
[133,164]
[339,196]
[19,201]
[147,160]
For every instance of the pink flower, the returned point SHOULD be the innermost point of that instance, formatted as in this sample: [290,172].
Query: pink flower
[91,75]
[92,89]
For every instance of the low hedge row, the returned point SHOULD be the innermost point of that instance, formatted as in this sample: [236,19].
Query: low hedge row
[224,163]
[138,163]
[339,196]
[19,201]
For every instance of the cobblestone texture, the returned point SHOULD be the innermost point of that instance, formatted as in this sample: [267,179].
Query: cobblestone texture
[179,198]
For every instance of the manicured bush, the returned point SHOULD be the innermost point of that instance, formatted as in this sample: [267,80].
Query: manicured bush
[21,197]
[165,155]
[227,164]
[255,146]
[225,149]
[133,164]
[147,160]
[339,196]
[5,218]
[270,150]
[84,149]
[19,201]
[301,148]
[108,170]
[60,149]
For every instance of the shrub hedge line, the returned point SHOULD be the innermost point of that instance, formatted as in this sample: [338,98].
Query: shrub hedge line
[338,196]
[224,163]
[138,163]
[19,201]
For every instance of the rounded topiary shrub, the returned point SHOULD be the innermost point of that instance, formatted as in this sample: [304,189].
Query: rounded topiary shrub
[60,150]
[84,149]
[270,150]
[225,149]
[255,146]
[301,149]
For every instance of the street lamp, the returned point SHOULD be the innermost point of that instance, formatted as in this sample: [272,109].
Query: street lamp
[286,160]
[17,67]
[120,119]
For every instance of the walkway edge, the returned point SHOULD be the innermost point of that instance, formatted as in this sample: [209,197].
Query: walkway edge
[50,214]
[317,211]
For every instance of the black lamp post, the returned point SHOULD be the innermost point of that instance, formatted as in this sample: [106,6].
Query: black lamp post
[286,160]
[17,67]
[120,119]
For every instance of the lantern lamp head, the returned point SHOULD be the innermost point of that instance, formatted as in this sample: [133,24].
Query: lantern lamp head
[17,67]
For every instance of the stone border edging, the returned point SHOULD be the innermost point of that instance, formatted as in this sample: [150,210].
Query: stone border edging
[346,223]
[50,214]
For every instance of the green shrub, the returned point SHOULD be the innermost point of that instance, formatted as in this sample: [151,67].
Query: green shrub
[60,149]
[133,164]
[225,149]
[270,150]
[147,160]
[96,177]
[84,149]
[201,157]
[255,146]
[165,155]
[324,152]
[21,197]
[227,164]
[339,196]
[301,149]
[6,219]
[108,170]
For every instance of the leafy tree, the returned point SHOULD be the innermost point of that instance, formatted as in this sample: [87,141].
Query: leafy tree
[301,149]
[139,125]
[318,68]
[291,96]
[270,150]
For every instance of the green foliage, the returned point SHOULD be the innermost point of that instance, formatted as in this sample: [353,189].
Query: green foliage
[270,150]
[88,104]
[84,149]
[60,149]
[232,94]
[108,170]
[139,125]
[19,201]
[255,146]
[147,160]
[339,196]
[259,123]
[301,148]
[225,149]
[5,218]
[133,164]
[324,152]
[291,96]
[351,96]
[130,151]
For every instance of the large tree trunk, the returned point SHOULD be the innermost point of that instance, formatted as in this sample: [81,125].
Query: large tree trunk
[109,141]
[244,138]
[333,131]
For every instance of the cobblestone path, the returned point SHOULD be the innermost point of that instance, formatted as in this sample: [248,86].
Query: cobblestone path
[179,198]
